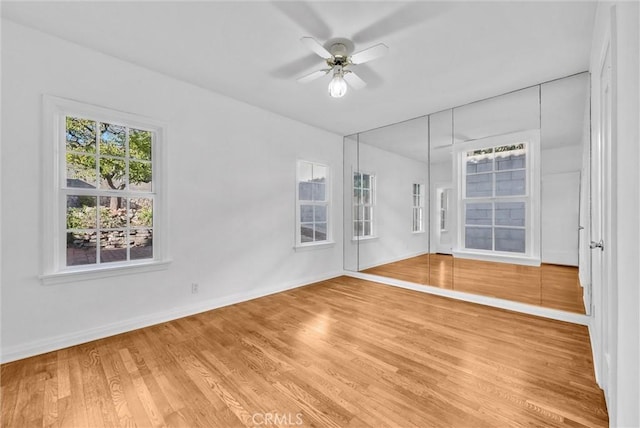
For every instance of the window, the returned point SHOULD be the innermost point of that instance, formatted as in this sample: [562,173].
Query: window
[312,204]
[418,208]
[498,187]
[105,196]
[496,199]
[363,203]
[444,207]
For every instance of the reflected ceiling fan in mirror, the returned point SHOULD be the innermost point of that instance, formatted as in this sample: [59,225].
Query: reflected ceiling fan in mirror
[339,63]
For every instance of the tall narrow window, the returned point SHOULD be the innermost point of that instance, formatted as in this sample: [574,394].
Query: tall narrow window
[312,203]
[496,199]
[106,192]
[363,205]
[444,208]
[418,208]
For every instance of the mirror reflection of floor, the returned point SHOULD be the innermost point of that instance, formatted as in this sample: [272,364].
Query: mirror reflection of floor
[550,286]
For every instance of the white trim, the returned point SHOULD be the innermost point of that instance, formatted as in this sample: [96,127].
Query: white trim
[482,300]
[314,245]
[364,239]
[498,257]
[52,192]
[104,271]
[594,351]
[41,346]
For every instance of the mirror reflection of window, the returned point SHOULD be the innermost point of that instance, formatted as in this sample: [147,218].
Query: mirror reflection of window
[443,210]
[418,208]
[363,204]
[496,199]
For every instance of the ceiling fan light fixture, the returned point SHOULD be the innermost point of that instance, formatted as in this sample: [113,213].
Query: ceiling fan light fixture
[337,58]
[337,86]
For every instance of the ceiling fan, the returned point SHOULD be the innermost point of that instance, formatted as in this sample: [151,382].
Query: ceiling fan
[339,62]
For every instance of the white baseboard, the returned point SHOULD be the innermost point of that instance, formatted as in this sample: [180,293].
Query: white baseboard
[594,353]
[482,300]
[587,305]
[54,343]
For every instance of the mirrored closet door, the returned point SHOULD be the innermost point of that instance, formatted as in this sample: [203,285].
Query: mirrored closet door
[487,198]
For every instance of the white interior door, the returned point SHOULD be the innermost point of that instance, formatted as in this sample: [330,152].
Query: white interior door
[601,222]
[444,225]
[560,218]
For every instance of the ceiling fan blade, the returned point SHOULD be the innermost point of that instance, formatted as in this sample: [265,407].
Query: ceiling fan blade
[313,76]
[304,15]
[295,68]
[413,14]
[354,81]
[316,47]
[369,54]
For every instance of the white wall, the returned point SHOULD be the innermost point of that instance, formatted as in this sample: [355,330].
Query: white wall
[227,163]
[395,175]
[627,411]
[623,386]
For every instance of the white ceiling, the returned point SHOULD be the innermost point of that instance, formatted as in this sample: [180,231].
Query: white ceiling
[441,54]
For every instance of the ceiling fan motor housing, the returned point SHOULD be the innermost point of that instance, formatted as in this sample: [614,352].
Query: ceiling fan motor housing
[339,55]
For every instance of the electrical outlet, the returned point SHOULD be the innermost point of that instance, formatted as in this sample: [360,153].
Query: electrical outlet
[194,288]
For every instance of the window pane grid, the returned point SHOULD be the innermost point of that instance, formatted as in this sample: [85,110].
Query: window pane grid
[363,203]
[495,179]
[312,202]
[417,218]
[107,197]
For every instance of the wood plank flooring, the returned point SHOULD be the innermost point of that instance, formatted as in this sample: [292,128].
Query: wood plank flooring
[560,288]
[504,280]
[340,353]
[551,286]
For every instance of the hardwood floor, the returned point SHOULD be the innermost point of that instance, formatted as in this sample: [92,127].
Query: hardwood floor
[506,281]
[441,271]
[414,269]
[561,288]
[551,286]
[340,353]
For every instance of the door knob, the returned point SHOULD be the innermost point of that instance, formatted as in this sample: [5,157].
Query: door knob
[599,244]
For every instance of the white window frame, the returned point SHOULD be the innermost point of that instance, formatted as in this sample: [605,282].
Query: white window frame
[443,210]
[371,205]
[420,208]
[531,256]
[299,245]
[54,191]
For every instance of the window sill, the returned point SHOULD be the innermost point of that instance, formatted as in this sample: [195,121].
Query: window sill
[500,258]
[419,232]
[314,246]
[102,272]
[364,239]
